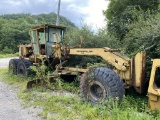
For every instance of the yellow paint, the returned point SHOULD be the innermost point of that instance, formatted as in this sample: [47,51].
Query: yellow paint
[153,90]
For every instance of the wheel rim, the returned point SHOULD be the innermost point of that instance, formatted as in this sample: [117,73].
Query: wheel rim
[97,91]
[21,70]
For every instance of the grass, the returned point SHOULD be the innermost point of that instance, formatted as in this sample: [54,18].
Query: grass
[8,55]
[62,105]
[17,81]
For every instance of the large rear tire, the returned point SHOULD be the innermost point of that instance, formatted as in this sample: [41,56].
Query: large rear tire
[100,85]
[23,67]
[13,66]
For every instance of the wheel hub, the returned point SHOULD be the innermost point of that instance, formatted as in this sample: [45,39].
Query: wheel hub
[21,70]
[97,91]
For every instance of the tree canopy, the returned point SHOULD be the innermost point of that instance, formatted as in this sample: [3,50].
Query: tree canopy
[121,13]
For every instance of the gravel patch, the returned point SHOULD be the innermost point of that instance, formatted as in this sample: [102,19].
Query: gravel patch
[10,107]
[4,62]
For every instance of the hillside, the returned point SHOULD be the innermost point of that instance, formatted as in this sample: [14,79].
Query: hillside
[14,28]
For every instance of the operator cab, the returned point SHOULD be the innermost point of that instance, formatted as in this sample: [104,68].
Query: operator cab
[43,37]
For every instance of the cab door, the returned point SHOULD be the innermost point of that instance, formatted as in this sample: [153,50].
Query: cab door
[35,42]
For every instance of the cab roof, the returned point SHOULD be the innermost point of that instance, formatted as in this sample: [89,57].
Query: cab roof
[48,25]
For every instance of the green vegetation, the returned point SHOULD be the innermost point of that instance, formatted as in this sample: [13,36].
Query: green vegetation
[17,81]
[8,55]
[61,104]
[121,13]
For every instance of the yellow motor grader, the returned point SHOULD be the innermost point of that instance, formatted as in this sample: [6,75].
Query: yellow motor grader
[98,84]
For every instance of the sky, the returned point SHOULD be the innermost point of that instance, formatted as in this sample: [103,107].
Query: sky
[77,11]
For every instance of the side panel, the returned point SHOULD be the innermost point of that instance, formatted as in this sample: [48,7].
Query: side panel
[24,50]
[154,86]
[153,101]
[138,71]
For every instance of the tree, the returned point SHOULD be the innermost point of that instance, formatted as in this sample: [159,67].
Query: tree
[121,13]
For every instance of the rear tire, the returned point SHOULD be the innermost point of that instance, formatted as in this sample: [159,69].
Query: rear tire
[13,66]
[23,67]
[100,85]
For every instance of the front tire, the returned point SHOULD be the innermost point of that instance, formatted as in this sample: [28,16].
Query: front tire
[100,85]
[13,66]
[23,67]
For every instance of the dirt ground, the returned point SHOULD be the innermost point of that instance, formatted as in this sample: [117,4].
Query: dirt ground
[10,107]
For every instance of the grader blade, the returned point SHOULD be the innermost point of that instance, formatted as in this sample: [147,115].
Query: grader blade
[32,83]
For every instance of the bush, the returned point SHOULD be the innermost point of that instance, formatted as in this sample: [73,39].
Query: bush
[6,50]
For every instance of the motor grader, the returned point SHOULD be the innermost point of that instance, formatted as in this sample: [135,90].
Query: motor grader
[96,85]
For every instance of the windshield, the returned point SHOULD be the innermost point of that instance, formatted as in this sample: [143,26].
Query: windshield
[52,34]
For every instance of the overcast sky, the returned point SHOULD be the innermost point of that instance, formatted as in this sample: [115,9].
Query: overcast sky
[89,11]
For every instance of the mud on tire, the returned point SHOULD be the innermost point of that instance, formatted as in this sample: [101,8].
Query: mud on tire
[100,84]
